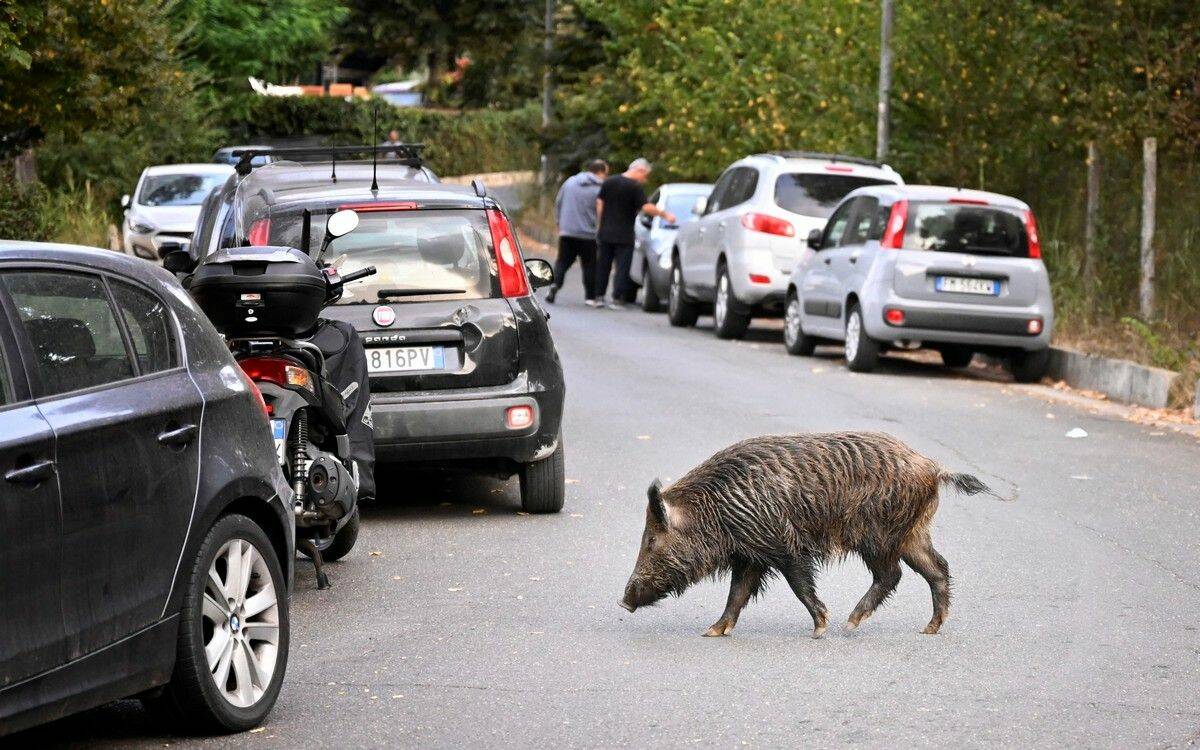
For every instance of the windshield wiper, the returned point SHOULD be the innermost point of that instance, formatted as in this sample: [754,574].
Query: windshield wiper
[386,293]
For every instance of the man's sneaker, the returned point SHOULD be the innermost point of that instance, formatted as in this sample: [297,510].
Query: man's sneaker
[550,295]
[592,303]
[616,305]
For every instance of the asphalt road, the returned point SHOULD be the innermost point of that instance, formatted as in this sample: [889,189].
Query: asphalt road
[458,622]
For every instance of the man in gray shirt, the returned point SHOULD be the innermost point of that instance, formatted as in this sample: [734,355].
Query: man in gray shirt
[575,213]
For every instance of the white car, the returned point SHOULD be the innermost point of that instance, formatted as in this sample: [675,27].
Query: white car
[738,256]
[166,205]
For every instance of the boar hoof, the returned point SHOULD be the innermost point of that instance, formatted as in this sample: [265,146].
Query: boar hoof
[818,632]
[851,626]
[931,629]
[719,629]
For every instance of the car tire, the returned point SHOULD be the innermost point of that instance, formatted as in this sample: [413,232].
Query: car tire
[729,322]
[195,695]
[339,545]
[862,351]
[795,340]
[650,300]
[956,356]
[1029,367]
[543,483]
[681,312]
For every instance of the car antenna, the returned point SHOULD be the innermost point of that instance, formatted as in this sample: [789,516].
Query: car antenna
[375,152]
[306,231]
[333,156]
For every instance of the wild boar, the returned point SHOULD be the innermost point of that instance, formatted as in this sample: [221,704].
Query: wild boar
[787,504]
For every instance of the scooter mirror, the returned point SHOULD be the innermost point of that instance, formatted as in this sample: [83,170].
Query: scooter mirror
[341,223]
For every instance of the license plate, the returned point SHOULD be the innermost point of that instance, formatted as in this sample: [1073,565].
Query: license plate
[966,285]
[405,358]
[279,432]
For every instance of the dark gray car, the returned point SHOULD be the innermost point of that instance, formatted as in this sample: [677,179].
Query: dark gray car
[654,237]
[148,531]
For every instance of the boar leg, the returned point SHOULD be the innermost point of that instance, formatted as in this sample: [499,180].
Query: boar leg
[743,585]
[920,555]
[886,572]
[799,576]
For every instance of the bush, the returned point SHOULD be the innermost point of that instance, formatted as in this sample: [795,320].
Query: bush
[456,142]
[20,208]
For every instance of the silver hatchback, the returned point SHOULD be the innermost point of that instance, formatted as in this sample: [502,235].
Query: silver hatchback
[906,266]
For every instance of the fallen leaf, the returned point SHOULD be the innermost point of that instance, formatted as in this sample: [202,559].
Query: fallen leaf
[522,513]
[1077,432]
[1049,415]
[643,437]
[478,512]
[817,370]
[572,481]
[457,589]
[256,730]
[535,578]
[1080,476]
[376,553]
[576,515]
[396,578]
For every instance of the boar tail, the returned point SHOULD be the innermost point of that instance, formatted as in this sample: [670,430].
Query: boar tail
[968,484]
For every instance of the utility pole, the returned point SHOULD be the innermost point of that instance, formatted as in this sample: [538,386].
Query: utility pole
[1091,217]
[547,85]
[1149,196]
[883,124]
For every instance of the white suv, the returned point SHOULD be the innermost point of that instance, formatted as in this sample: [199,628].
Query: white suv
[738,256]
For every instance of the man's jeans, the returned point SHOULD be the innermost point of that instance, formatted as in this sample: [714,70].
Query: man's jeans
[622,254]
[570,248]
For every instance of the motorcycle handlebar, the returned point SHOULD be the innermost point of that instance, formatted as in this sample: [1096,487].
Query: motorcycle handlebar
[362,273]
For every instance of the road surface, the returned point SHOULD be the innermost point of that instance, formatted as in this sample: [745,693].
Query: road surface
[458,622]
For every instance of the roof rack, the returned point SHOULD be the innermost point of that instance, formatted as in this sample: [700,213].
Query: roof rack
[409,154]
[828,157]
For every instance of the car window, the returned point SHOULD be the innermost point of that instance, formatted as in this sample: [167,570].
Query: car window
[817,194]
[681,204]
[149,324]
[742,187]
[72,327]
[836,227]
[863,217]
[879,224]
[178,189]
[6,391]
[717,200]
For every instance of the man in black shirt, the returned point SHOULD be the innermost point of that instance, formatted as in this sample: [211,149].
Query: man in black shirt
[621,198]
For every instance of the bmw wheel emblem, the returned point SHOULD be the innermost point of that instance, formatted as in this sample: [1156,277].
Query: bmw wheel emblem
[384,316]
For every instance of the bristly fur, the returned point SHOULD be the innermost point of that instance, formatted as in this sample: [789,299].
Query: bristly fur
[790,503]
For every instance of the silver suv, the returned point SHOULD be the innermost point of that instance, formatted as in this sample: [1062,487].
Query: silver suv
[905,266]
[738,256]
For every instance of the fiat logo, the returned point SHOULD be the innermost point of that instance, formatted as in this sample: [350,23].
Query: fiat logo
[384,316]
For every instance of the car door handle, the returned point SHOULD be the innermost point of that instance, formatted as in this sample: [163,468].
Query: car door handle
[853,258]
[34,473]
[178,436]
[828,261]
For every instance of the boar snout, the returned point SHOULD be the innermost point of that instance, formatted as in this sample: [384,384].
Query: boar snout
[623,605]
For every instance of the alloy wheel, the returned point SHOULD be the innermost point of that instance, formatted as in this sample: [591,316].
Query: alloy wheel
[853,332]
[791,322]
[721,309]
[675,290]
[240,623]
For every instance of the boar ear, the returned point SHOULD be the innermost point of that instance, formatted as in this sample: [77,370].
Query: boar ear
[654,493]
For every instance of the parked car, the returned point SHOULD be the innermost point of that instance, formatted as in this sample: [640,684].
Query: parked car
[653,239]
[165,205]
[738,255]
[959,271]
[148,533]
[463,369]
[228,155]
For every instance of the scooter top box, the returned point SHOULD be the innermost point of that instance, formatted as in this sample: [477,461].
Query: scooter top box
[260,291]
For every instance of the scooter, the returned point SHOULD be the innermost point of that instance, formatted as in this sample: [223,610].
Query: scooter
[266,301]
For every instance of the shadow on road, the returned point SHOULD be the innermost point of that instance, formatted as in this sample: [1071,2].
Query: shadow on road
[418,493]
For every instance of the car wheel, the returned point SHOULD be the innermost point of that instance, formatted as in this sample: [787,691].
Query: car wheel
[956,356]
[794,339]
[650,301]
[233,631]
[339,545]
[862,352]
[543,483]
[729,322]
[681,311]
[1029,367]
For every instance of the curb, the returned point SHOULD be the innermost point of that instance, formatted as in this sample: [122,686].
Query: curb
[1119,379]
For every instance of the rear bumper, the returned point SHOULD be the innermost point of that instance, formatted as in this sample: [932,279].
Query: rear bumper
[466,425]
[943,323]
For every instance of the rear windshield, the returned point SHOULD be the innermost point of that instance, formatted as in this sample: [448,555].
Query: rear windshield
[178,189]
[681,204]
[957,228]
[414,250]
[817,194]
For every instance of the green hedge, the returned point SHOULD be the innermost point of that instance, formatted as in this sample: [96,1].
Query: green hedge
[457,142]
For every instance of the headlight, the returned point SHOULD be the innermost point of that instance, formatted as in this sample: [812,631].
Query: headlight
[140,226]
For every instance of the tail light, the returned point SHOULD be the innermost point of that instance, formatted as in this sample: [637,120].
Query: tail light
[513,282]
[894,316]
[518,417]
[768,225]
[278,371]
[893,234]
[257,394]
[260,232]
[1031,233]
[758,278]
[1033,326]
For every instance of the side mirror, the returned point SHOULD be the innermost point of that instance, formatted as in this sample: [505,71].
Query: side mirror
[178,260]
[167,248]
[540,273]
[341,223]
[125,201]
[814,238]
[700,206]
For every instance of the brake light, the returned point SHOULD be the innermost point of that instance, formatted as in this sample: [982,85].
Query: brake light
[518,417]
[278,371]
[893,235]
[1033,326]
[969,202]
[513,282]
[837,168]
[758,278]
[768,224]
[257,394]
[260,233]
[379,206]
[894,316]
[1031,233]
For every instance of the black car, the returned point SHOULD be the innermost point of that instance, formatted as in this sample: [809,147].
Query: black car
[464,372]
[148,533]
